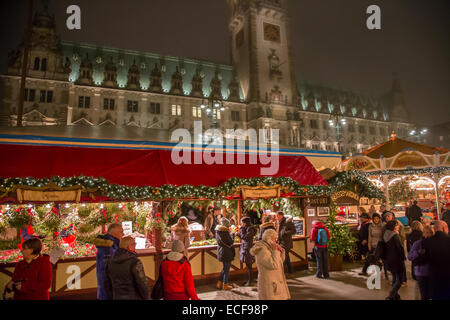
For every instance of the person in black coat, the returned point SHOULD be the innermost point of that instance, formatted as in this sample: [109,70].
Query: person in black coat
[437,254]
[225,252]
[286,230]
[413,213]
[363,239]
[446,214]
[415,235]
[124,274]
[247,233]
[395,257]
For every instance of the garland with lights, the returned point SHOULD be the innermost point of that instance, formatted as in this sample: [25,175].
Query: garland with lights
[429,170]
[346,179]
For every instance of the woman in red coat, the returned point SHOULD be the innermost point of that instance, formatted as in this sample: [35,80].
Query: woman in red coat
[177,275]
[32,276]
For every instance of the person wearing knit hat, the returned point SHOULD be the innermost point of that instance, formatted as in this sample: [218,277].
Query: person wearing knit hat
[225,252]
[177,277]
[246,233]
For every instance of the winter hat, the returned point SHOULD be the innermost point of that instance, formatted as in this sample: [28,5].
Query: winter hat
[246,220]
[269,235]
[177,252]
[225,222]
[364,216]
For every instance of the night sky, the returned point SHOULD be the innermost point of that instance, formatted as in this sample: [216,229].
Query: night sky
[331,44]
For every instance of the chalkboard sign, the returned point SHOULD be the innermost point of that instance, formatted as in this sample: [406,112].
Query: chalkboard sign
[299,227]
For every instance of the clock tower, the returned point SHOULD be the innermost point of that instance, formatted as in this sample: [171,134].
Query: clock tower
[261,53]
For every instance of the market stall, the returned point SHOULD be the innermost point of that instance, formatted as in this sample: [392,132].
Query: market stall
[107,177]
[406,170]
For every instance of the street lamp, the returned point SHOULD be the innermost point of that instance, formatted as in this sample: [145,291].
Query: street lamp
[416,133]
[212,106]
[337,120]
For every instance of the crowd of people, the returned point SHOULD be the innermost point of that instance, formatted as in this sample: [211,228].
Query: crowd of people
[382,241]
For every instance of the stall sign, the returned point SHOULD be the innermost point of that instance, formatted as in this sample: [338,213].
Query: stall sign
[48,196]
[260,191]
[316,202]
[140,243]
[299,226]
[345,196]
[127,227]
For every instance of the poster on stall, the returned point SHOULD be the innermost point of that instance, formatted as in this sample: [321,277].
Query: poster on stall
[127,228]
[140,243]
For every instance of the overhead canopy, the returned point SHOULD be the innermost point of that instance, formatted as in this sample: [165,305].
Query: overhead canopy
[148,165]
[395,145]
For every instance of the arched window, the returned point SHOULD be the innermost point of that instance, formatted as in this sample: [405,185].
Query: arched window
[44,64]
[36,63]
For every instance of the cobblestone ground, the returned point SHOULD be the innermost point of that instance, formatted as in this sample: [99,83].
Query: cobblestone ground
[303,285]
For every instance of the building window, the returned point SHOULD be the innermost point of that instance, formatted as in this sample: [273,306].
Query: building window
[176,110]
[108,104]
[36,63]
[30,94]
[44,65]
[155,108]
[42,96]
[362,129]
[315,146]
[351,128]
[372,130]
[235,115]
[84,102]
[325,125]
[49,96]
[217,114]
[196,112]
[132,106]
[382,131]
[313,124]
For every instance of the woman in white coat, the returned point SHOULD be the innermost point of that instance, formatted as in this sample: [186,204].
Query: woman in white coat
[270,256]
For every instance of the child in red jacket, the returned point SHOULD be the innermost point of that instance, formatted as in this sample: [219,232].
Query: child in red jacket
[320,235]
[177,275]
[32,276]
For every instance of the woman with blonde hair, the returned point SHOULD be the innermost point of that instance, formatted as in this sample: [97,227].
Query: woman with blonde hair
[270,256]
[180,231]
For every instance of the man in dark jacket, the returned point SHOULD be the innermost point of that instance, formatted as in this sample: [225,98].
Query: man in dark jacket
[124,274]
[437,253]
[286,230]
[246,233]
[395,257]
[363,239]
[413,213]
[107,245]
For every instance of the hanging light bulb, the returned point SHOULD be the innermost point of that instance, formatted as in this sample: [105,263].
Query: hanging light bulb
[83,204]
[222,109]
[120,206]
[30,206]
[67,205]
[202,106]
[47,205]
[7,207]
[101,206]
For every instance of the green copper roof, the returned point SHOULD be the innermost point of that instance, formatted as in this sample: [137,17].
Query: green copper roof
[123,59]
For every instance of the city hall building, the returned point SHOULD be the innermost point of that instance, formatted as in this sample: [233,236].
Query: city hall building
[78,84]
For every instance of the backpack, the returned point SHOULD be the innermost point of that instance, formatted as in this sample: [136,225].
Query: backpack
[322,238]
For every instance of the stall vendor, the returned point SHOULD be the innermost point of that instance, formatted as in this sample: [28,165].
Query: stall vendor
[211,221]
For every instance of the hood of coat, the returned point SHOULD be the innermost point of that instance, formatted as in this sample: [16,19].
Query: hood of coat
[318,225]
[222,228]
[388,234]
[260,245]
[123,255]
[266,225]
[175,256]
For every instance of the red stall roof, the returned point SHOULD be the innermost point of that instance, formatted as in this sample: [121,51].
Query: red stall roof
[146,166]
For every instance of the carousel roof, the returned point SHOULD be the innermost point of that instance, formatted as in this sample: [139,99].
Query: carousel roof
[395,145]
